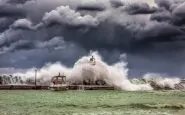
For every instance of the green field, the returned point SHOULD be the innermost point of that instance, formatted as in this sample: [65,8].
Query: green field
[91,103]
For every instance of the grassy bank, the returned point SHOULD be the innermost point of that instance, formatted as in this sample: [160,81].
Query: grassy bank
[91,103]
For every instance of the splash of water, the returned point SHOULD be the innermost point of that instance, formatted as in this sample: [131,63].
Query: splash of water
[10,80]
[162,81]
[114,75]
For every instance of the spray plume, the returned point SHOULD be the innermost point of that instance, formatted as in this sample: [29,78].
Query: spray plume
[114,75]
[162,82]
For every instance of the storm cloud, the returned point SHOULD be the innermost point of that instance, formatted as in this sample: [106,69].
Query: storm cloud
[152,34]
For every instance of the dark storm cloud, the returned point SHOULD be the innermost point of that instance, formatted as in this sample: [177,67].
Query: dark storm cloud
[91,8]
[179,13]
[163,16]
[140,8]
[39,57]
[36,32]
[175,7]
[105,29]
[17,1]
[5,22]
[8,10]
[116,3]
[164,3]
[169,4]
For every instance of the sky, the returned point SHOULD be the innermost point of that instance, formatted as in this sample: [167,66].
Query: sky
[150,32]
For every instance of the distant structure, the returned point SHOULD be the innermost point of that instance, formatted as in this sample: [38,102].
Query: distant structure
[57,80]
[58,83]
[183,81]
[92,61]
[1,80]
